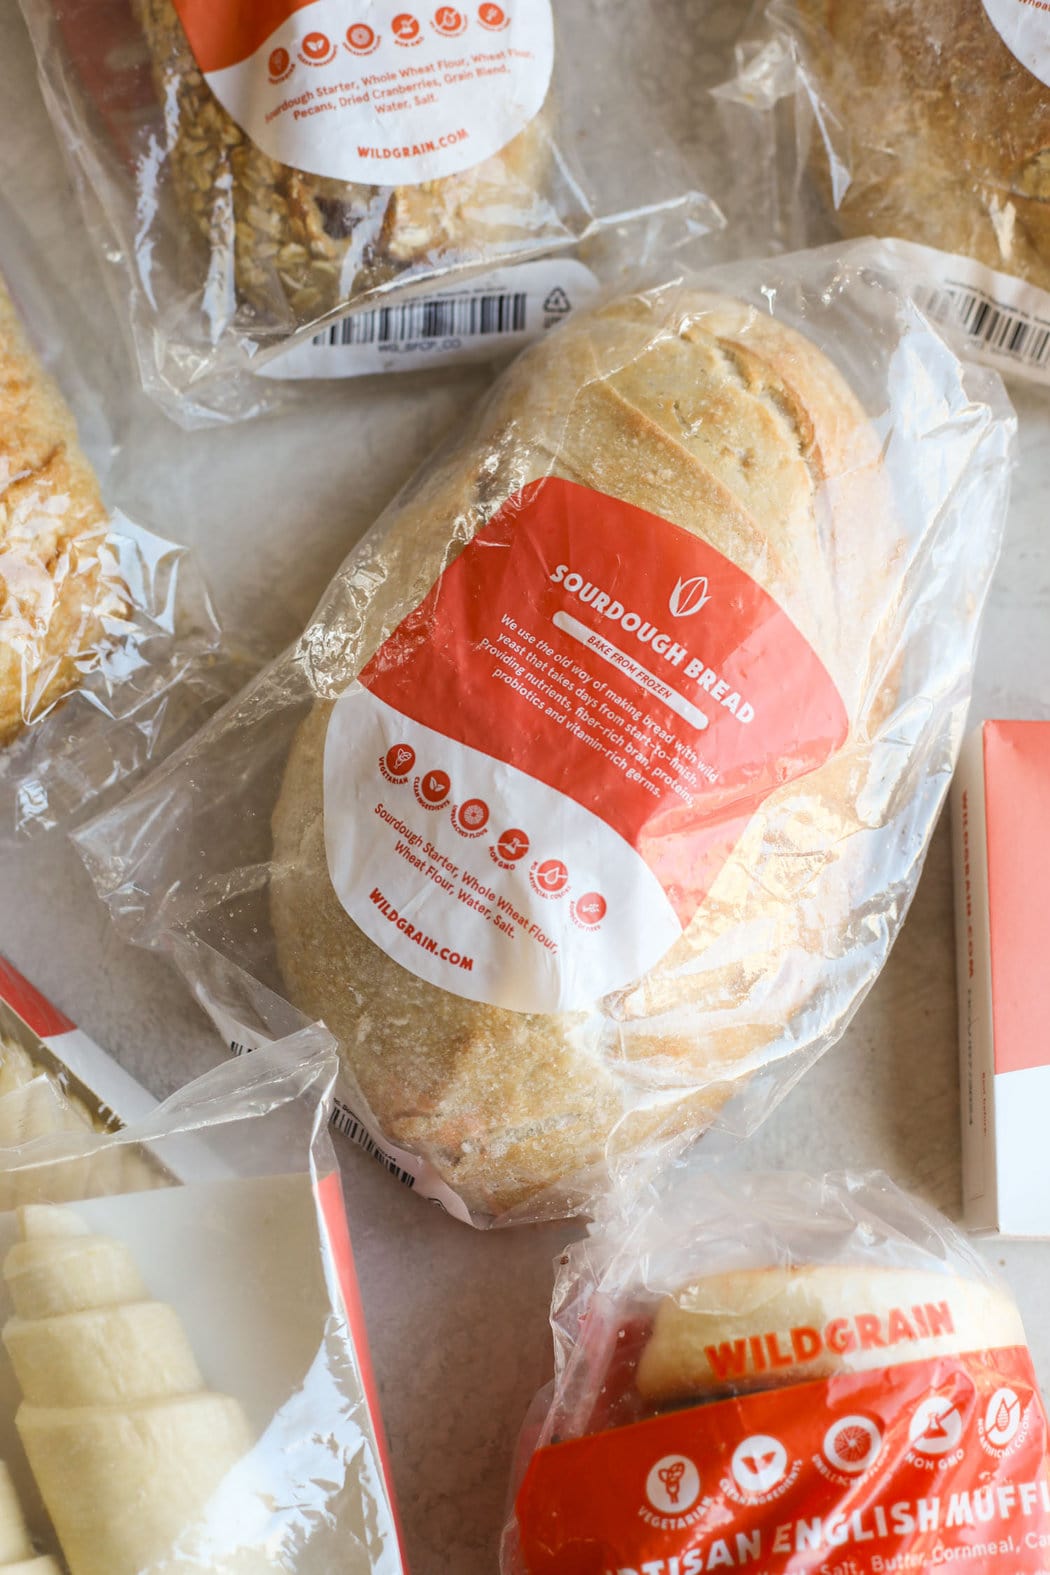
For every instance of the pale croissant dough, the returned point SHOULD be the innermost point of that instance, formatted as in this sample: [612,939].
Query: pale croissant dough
[126,1444]
[16,1548]
[303,244]
[909,1315]
[944,134]
[53,591]
[726,423]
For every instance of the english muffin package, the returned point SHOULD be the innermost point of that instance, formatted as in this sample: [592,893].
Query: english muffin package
[257,172]
[787,1374]
[109,648]
[184,1373]
[927,120]
[595,791]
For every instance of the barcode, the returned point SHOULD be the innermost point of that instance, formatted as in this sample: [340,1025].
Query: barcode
[239,1049]
[1002,328]
[344,1120]
[462,317]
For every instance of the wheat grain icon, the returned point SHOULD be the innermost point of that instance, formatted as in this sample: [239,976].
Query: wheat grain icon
[125,1442]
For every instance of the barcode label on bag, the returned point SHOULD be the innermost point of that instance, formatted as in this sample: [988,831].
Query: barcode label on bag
[478,319]
[344,1121]
[995,318]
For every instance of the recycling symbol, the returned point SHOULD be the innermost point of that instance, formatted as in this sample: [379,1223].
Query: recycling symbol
[557,302]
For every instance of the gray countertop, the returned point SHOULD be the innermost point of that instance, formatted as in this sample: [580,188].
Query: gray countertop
[458,1319]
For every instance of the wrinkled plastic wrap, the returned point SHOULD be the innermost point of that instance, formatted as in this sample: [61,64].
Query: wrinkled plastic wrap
[109,647]
[236,167]
[590,801]
[927,122]
[185,1379]
[790,1373]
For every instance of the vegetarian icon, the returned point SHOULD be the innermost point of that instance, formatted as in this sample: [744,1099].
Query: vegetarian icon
[671,1477]
[125,1442]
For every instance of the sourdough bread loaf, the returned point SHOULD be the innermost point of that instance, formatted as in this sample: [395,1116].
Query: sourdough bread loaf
[54,593]
[731,426]
[940,134]
[303,244]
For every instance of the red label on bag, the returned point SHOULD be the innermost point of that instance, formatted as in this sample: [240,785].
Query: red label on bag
[538,776]
[34,1009]
[914,1467]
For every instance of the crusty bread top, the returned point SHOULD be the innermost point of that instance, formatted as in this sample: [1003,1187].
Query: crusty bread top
[944,134]
[52,526]
[761,1328]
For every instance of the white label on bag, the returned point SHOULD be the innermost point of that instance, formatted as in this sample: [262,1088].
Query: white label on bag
[381,92]
[533,783]
[1024,27]
[497,313]
[996,318]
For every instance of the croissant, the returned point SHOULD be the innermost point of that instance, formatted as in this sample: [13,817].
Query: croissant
[126,1443]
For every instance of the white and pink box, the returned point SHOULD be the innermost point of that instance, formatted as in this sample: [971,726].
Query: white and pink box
[1001,838]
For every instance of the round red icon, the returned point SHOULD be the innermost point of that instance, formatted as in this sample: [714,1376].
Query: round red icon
[449,21]
[316,49]
[550,878]
[280,64]
[492,16]
[474,814]
[434,787]
[405,28]
[590,909]
[361,38]
[512,846]
[399,760]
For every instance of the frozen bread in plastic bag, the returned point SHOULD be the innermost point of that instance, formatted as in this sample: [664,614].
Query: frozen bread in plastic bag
[596,789]
[782,1372]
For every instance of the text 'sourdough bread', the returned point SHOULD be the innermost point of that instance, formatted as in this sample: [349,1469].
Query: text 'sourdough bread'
[54,593]
[126,1444]
[303,244]
[730,425]
[763,1328]
[943,134]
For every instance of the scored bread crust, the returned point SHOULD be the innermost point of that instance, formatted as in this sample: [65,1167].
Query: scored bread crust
[714,1313]
[302,244]
[724,422]
[53,591]
[947,134]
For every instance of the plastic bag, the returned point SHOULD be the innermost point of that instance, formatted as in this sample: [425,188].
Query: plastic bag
[187,1384]
[237,162]
[110,651]
[928,122]
[782,1373]
[597,788]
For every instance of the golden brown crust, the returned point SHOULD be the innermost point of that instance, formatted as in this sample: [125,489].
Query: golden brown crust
[732,427]
[303,245]
[53,593]
[945,134]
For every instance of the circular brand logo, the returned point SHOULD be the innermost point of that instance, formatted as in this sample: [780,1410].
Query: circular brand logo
[852,1444]
[435,786]
[936,1427]
[449,21]
[759,1464]
[316,49]
[361,38]
[673,1485]
[590,909]
[550,878]
[405,28]
[400,759]
[280,64]
[1002,1417]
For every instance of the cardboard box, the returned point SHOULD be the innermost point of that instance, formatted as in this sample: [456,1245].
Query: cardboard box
[1001,843]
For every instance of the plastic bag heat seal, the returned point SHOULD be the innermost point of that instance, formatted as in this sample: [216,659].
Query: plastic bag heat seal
[589,803]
